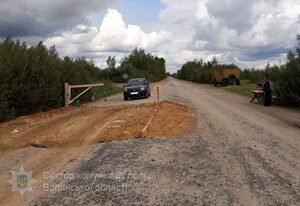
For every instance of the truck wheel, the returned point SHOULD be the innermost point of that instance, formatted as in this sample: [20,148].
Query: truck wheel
[224,82]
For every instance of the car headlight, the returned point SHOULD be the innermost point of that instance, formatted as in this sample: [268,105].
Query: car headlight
[143,88]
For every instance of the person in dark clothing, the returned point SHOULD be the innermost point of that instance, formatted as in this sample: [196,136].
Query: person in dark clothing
[267,92]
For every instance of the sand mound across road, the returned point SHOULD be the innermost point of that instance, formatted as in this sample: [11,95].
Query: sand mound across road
[61,139]
[74,127]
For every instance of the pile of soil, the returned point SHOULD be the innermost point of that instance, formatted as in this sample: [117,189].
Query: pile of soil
[72,127]
[167,119]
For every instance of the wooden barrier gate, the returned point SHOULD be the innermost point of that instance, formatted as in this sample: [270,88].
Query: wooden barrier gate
[68,91]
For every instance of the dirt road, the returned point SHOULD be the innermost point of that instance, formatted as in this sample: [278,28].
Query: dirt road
[237,154]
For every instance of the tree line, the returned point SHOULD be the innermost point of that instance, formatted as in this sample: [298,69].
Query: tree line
[137,64]
[197,71]
[285,78]
[32,77]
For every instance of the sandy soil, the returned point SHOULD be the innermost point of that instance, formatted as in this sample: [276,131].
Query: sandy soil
[237,153]
[69,135]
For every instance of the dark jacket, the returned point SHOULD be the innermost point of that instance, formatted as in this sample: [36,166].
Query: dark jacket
[268,93]
[267,88]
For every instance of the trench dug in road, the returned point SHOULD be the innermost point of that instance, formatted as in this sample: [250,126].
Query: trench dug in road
[223,151]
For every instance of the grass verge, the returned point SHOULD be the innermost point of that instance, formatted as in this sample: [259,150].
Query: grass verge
[244,89]
[105,91]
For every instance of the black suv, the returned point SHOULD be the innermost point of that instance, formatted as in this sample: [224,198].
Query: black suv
[136,88]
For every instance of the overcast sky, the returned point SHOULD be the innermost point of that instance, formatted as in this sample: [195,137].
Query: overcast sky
[249,33]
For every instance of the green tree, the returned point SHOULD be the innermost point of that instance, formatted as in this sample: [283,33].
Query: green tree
[197,70]
[32,78]
[137,64]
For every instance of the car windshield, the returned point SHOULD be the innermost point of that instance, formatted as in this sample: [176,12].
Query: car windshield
[135,82]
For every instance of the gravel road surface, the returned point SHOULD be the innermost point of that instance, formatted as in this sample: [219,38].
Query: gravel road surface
[236,154]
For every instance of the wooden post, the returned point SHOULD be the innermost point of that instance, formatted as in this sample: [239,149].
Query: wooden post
[158,94]
[67,96]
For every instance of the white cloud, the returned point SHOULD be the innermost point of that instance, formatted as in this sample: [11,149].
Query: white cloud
[43,17]
[115,35]
[112,36]
[248,33]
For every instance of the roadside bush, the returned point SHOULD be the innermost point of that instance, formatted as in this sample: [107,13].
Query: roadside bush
[286,81]
[254,75]
[32,78]
[106,90]
[197,71]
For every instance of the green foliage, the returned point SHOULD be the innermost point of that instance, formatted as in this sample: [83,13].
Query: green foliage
[244,89]
[32,78]
[197,71]
[254,75]
[111,63]
[226,66]
[285,79]
[137,64]
[105,91]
